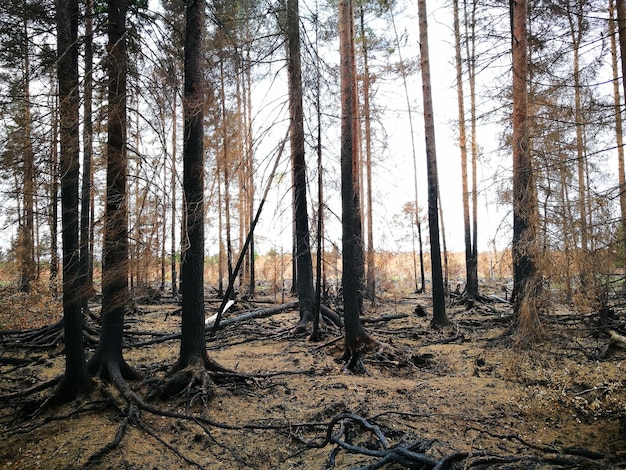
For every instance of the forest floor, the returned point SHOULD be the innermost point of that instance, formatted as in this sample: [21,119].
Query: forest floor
[468,391]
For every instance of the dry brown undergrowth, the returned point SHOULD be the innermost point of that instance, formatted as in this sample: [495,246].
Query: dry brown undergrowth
[465,389]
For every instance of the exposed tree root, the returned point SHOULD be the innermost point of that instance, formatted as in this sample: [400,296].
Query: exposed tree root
[37,338]
[353,362]
[190,384]
[413,454]
[196,381]
[45,337]
[131,417]
[31,390]
[477,301]
[352,355]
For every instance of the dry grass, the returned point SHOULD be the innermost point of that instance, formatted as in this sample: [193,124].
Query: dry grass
[468,387]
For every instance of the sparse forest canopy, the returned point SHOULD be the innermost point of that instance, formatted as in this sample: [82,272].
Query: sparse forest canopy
[363,163]
[572,113]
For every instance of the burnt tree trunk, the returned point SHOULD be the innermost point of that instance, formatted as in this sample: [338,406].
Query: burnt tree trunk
[85,276]
[439,295]
[304,270]
[351,275]
[107,361]
[524,199]
[192,346]
[75,379]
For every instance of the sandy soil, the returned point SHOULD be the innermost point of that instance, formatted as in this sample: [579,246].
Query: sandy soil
[467,388]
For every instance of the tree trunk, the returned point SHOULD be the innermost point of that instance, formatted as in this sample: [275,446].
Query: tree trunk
[524,197]
[357,167]
[85,277]
[220,230]
[315,336]
[618,127]
[575,22]
[75,379]
[304,278]
[370,284]
[192,346]
[54,199]
[249,151]
[226,172]
[27,239]
[621,29]
[355,333]
[174,227]
[470,293]
[107,361]
[439,295]
[471,55]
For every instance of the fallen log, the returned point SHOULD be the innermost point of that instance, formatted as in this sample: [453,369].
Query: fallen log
[618,339]
[388,317]
[258,313]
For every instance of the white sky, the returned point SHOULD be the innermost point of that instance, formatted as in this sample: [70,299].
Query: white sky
[393,172]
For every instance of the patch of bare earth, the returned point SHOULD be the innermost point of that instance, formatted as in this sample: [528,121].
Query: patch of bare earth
[465,389]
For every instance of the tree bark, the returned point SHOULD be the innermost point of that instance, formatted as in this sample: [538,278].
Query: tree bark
[107,361]
[192,346]
[621,29]
[85,278]
[75,379]
[351,280]
[439,301]
[315,331]
[575,19]
[27,239]
[174,225]
[54,199]
[469,265]
[304,278]
[618,122]
[524,196]
[370,284]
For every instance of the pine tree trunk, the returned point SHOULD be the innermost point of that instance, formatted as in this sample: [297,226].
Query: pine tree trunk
[107,361]
[249,151]
[75,379]
[85,198]
[355,334]
[575,23]
[471,55]
[462,146]
[54,200]
[192,346]
[173,184]
[304,279]
[439,300]
[370,285]
[226,173]
[27,238]
[618,127]
[524,196]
